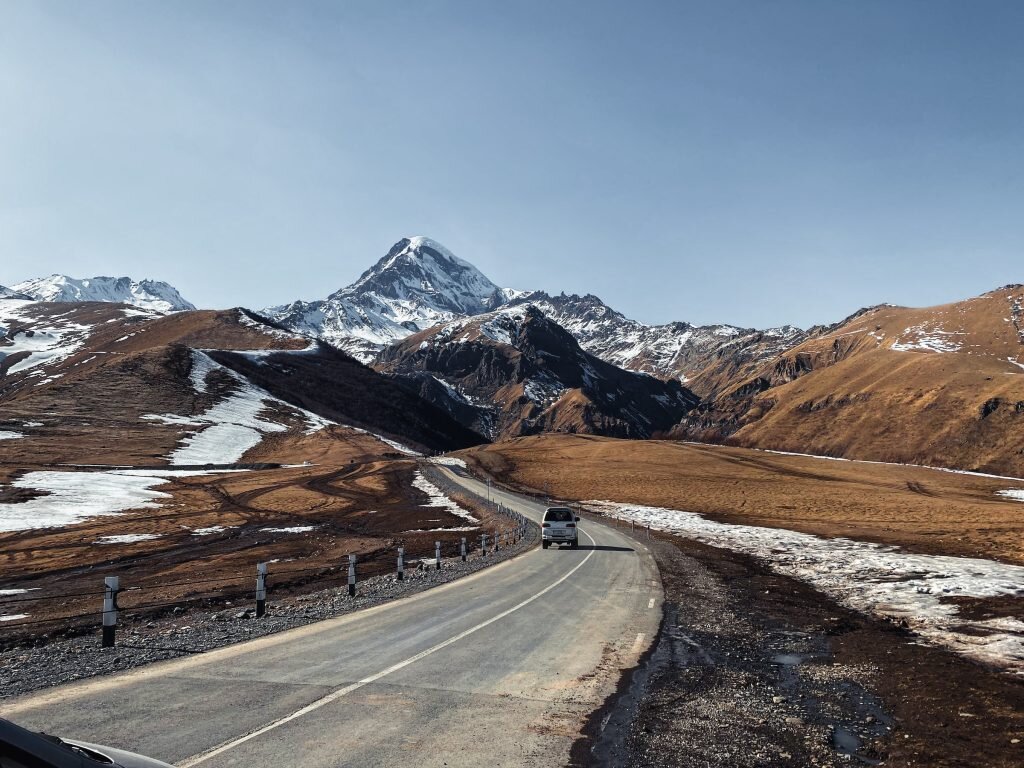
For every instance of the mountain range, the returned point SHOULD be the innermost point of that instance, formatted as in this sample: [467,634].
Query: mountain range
[420,284]
[940,385]
[146,294]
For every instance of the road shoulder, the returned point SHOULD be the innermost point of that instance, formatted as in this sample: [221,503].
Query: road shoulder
[753,668]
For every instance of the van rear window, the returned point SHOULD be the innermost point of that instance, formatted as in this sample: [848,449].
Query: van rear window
[559,516]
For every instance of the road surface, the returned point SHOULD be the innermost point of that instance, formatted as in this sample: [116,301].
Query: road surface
[500,668]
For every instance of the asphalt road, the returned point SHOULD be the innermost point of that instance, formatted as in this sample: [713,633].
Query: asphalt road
[500,668]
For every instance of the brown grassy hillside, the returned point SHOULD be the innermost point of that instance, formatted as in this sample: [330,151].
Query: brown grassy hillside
[941,386]
[924,510]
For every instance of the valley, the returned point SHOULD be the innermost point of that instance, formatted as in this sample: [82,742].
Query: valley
[868,474]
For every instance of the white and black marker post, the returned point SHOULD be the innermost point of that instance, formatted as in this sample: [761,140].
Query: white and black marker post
[351,575]
[401,563]
[111,588]
[437,555]
[261,590]
[462,549]
[483,544]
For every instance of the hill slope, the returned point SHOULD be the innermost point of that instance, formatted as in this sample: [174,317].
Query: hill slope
[941,385]
[105,383]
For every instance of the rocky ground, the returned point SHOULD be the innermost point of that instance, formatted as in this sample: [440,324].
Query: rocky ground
[192,630]
[756,669]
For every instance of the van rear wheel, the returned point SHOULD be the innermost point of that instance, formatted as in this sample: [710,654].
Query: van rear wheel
[544,544]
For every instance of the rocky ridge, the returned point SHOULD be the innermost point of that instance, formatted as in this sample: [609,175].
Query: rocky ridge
[515,371]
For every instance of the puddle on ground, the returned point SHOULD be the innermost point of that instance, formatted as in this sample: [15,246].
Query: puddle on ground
[789,659]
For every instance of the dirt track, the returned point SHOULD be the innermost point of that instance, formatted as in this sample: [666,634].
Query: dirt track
[367,509]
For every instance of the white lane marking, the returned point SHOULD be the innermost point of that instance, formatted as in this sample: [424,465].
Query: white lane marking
[650,603]
[638,642]
[335,695]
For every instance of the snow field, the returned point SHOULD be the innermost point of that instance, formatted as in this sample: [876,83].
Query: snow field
[72,497]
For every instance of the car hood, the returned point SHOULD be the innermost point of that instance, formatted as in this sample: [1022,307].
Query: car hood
[120,756]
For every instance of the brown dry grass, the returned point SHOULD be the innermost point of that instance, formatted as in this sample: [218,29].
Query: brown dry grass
[364,508]
[962,408]
[920,509]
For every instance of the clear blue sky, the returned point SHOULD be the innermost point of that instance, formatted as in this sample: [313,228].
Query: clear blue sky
[753,162]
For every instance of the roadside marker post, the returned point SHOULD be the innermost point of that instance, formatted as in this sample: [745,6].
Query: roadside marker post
[261,590]
[497,538]
[111,588]
[401,563]
[351,575]
[483,544]
[462,549]
[437,555]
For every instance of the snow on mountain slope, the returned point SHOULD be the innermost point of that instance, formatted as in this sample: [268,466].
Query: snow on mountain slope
[35,337]
[146,294]
[674,350]
[7,293]
[418,284]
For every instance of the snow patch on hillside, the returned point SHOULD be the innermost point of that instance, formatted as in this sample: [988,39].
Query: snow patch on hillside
[45,341]
[1017,494]
[127,538]
[448,461]
[871,578]
[233,425]
[72,497]
[927,338]
[439,499]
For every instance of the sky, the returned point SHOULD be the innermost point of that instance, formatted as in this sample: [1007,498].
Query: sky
[757,163]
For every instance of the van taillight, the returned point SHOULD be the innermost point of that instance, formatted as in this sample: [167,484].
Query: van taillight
[570,525]
[547,525]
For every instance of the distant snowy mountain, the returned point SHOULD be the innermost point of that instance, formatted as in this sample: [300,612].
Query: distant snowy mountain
[674,350]
[146,294]
[418,284]
[7,293]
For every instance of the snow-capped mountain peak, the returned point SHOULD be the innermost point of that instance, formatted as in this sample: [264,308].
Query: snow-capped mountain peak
[417,284]
[422,270]
[146,294]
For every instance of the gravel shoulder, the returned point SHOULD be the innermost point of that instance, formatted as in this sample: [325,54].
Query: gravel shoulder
[755,669]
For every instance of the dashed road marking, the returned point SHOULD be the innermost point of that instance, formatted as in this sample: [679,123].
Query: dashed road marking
[638,642]
[335,695]
[650,603]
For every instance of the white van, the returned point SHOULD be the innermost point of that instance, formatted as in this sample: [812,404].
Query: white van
[559,527]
